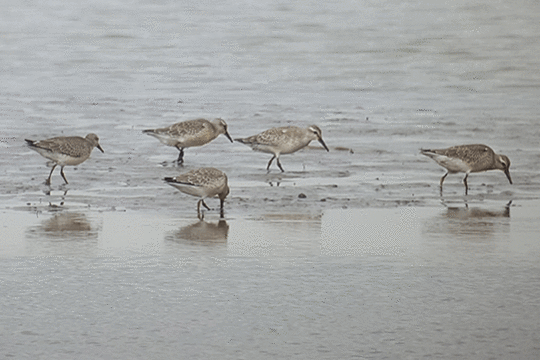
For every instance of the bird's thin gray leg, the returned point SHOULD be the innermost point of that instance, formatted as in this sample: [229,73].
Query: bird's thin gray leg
[62,173]
[442,179]
[206,206]
[180,159]
[200,214]
[466,185]
[441,182]
[221,201]
[48,181]
[270,162]
[279,164]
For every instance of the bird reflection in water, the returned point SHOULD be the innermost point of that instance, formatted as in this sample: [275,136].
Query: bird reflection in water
[65,225]
[471,222]
[61,199]
[202,233]
[470,213]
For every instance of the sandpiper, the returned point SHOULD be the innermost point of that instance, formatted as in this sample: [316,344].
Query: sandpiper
[203,183]
[468,159]
[283,140]
[190,133]
[65,150]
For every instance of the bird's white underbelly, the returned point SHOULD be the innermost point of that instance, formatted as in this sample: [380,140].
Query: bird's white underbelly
[193,190]
[165,139]
[183,141]
[274,149]
[453,165]
[61,159]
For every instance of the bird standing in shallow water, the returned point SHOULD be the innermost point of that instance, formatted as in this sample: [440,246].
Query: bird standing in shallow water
[65,150]
[203,183]
[190,133]
[468,159]
[283,140]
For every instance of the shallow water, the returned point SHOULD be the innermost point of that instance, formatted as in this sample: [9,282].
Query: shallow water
[452,281]
[373,262]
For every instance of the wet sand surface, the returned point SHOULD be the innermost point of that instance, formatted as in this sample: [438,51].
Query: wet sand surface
[348,253]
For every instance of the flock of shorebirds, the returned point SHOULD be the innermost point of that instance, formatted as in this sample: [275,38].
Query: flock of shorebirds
[209,182]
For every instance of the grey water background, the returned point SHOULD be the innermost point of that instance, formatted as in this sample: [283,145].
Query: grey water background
[372,263]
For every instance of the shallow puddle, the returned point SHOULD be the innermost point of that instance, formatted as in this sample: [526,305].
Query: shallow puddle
[498,228]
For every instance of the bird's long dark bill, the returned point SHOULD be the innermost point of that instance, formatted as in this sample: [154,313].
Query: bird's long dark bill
[323,144]
[100,148]
[507,172]
[228,136]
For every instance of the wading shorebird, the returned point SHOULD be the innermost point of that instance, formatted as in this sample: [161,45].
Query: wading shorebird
[468,159]
[190,133]
[65,150]
[283,140]
[203,183]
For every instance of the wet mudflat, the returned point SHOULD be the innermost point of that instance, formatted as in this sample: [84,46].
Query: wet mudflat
[348,253]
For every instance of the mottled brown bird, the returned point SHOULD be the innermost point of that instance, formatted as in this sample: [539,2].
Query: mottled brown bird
[65,150]
[190,133]
[203,183]
[468,159]
[283,140]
